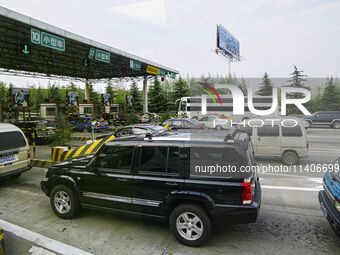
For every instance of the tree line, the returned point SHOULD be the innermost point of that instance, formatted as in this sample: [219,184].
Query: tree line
[164,94]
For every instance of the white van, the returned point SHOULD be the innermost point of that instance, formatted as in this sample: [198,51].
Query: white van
[283,141]
[14,151]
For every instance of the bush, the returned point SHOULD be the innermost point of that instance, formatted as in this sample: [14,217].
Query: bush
[165,116]
[132,118]
[63,132]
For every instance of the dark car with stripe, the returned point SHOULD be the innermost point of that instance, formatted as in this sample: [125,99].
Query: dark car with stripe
[177,178]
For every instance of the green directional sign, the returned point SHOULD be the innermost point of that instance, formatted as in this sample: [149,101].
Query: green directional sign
[172,75]
[25,49]
[102,56]
[135,65]
[92,51]
[47,40]
[162,72]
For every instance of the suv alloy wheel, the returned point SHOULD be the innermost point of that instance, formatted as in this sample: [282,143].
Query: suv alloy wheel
[190,224]
[64,202]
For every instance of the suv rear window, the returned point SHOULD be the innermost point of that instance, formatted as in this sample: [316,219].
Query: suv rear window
[160,159]
[12,140]
[292,131]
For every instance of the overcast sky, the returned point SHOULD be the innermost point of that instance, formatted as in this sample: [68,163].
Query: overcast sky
[274,35]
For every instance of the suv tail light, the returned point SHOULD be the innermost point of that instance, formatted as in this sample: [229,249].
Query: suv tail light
[247,191]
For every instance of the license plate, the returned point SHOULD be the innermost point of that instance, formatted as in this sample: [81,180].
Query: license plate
[323,210]
[7,159]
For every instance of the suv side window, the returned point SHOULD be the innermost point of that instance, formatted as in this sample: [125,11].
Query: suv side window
[268,131]
[115,158]
[159,160]
[292,131]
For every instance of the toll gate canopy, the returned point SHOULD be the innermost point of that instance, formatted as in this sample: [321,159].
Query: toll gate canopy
[29,46]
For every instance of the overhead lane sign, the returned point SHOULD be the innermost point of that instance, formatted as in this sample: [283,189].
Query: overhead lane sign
[135,65]
[47,40]
[99,55]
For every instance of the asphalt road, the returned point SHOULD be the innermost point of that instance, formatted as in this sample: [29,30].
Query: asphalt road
[290,221]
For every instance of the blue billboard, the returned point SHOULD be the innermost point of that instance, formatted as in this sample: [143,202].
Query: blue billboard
[227,43]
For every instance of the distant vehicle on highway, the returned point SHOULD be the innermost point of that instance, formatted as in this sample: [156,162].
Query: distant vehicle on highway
[138,129]
[183,123]
[14,151]
[155,177]
[324,118]
[212,121]
[288,143]
[329,198]
[87,124]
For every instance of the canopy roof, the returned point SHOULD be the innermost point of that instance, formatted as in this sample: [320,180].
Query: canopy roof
[30,46]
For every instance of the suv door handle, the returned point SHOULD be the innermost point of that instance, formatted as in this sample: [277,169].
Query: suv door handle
[171,184]
[122,179]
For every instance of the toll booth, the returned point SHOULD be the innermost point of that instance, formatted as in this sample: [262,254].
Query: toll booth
[86,109]
[112,109]
[49,111]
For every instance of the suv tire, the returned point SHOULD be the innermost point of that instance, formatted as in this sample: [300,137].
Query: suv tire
[336,124]
[290,158]
[190,224]
[64,202]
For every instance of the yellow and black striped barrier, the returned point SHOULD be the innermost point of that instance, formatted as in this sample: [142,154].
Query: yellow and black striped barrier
[41,163]
[33,129]
[88,149]
[2,242]
[80,138]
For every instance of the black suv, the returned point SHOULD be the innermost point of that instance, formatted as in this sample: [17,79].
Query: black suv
[171,178]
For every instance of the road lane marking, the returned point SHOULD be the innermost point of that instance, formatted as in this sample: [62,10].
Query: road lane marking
[42,241]
[316,189]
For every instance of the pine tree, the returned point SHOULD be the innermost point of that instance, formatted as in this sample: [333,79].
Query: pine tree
[266,88]
[3,92]
[54,93]
[93,95]
[181,89]
[136,98]
[109,90]
[243,86]
[157,100]
[297,79]
[331,96]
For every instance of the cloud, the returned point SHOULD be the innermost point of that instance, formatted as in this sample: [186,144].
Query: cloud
[151,11]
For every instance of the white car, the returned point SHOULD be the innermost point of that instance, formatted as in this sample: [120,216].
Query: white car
[288,143]
[212,121]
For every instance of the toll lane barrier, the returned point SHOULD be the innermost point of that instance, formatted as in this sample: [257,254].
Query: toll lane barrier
[2,242]
[41,163]
[80,138]
[87,149]
[60,154]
